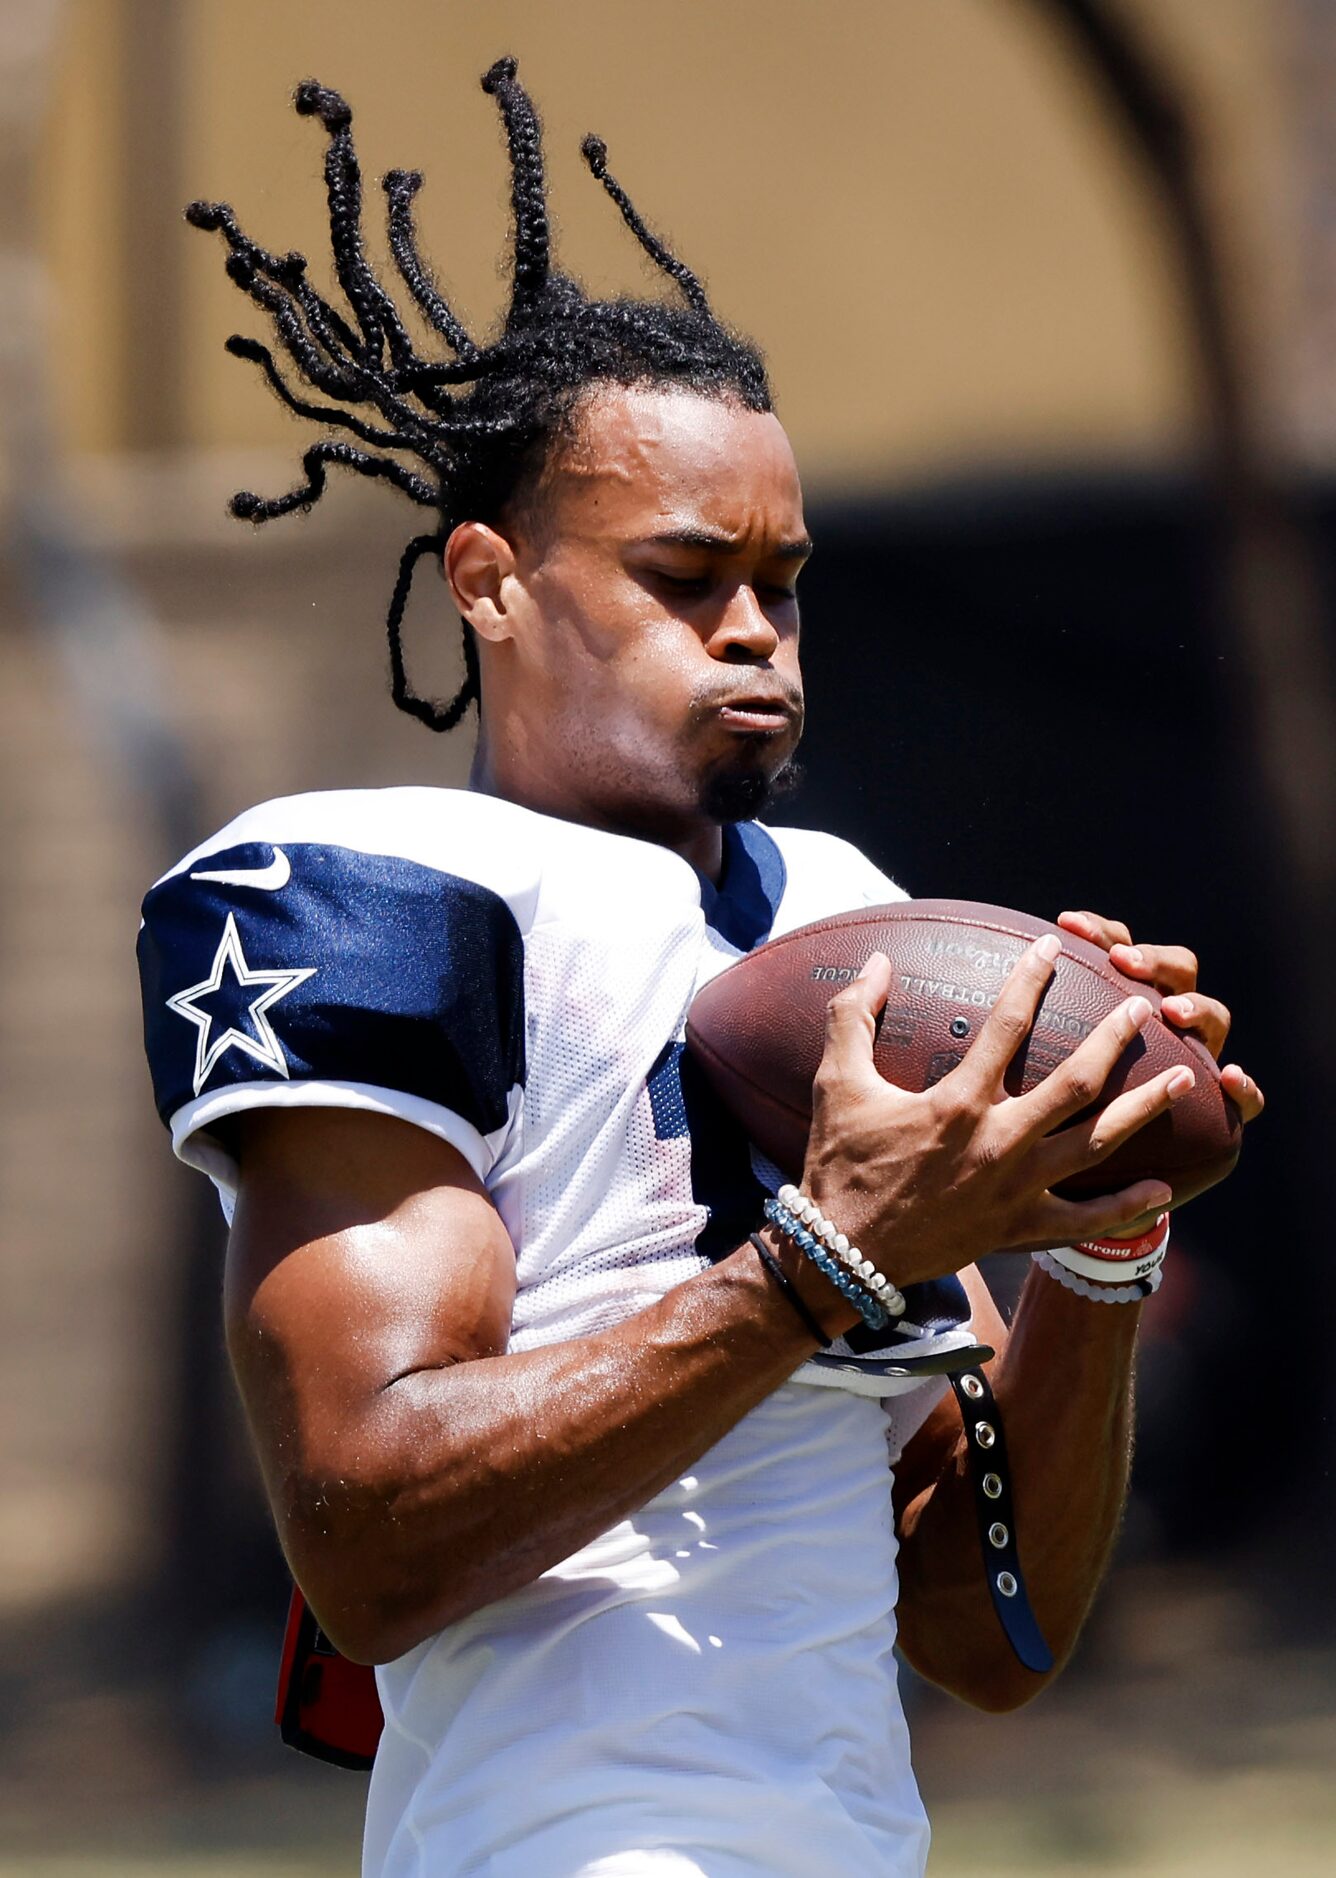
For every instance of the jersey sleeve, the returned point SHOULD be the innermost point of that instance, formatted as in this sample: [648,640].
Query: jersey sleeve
[304,973]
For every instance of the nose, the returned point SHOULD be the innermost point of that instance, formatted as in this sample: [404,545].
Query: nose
[745,634]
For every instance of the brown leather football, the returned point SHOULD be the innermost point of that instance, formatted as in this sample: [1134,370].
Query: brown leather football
[758,1030]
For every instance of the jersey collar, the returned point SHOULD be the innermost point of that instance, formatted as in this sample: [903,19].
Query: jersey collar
[743,907]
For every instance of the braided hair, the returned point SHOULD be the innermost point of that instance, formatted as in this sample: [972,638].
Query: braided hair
[467,433]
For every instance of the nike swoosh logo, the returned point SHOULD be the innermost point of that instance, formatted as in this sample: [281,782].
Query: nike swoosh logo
[271,878]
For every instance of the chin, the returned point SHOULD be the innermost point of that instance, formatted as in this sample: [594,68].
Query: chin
[735,794]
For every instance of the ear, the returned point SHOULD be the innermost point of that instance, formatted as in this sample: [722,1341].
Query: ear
[478,563]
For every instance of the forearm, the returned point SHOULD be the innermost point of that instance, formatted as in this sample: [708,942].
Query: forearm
[1063,1385]
[459,1485]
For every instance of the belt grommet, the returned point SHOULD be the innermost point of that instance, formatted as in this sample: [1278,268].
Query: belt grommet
[1006,1584]
[992,1486]
[998,1534]
[972,1387]
[985,1434]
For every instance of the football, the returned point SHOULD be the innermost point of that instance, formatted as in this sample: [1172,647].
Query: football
[758,1031]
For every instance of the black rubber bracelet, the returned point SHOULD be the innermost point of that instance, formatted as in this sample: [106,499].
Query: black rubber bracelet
[790,1290]
[997,1520]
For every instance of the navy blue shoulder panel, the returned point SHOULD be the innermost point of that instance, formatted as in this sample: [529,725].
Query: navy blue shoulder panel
[320,962]
[743,907]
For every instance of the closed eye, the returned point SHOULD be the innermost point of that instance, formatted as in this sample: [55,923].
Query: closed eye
[697,585]
[686,584]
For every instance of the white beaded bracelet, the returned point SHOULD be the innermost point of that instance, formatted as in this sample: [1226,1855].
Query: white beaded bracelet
[1136,1293]
[837,1244]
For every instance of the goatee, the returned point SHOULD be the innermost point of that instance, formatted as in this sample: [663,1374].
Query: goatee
[743,795]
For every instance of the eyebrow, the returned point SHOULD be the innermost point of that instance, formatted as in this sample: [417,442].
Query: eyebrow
[711,543]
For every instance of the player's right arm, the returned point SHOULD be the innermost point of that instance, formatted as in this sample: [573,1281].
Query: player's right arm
[415,1470]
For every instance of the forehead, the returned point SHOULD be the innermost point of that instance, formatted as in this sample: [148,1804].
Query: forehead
[645,460]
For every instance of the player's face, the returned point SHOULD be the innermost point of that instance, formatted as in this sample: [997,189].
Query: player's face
[651,674]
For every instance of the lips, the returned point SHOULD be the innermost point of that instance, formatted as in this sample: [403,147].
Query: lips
[761,711]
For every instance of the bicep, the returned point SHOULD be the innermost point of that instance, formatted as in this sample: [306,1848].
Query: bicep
[363,1248]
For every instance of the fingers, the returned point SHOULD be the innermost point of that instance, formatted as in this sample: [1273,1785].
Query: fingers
[1068,1222]
[1075,1084]
[1137,1228]
[1243,1091]
[1009,1021]
[1168,968]
[1207,1019]
[1100,931]
[851,1024]
[1173,970]
[1088,1143]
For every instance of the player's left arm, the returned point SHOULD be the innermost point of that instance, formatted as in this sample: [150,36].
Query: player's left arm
[1062,1378]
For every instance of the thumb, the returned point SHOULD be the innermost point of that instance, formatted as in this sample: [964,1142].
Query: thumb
[851,1018]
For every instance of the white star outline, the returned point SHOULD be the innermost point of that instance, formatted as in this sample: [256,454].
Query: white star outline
[266,1049]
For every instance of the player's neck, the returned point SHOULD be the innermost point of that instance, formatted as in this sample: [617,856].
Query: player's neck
[700,842]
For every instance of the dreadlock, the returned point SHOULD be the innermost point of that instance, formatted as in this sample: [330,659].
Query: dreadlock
[478,425]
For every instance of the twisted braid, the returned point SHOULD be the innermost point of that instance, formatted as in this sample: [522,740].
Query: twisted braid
[250,349]
[343,191]
[434,716]
[595,153]
[248,507]
[401,186]
[482,422]
[528,189]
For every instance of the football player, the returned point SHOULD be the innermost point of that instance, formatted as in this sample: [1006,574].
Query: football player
[627,1467]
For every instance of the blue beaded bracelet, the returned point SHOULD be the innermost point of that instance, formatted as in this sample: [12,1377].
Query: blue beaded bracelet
[811,1247]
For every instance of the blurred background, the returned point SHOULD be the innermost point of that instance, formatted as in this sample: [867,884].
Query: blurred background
[1049,295]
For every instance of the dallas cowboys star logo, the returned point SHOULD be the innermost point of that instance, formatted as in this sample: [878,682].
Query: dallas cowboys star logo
[229,964]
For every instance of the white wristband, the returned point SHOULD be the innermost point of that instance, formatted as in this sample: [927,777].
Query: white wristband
[1087,1265]
[1100,1294]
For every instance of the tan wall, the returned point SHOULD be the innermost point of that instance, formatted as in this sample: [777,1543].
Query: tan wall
[914,204]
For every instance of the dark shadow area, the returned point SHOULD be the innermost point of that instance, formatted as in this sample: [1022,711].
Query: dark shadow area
[1018,693]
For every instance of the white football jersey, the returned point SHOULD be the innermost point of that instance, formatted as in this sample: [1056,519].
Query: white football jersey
[709,1688]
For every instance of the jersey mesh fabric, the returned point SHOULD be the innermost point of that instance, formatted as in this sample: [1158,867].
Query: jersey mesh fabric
[608,1223]
[711,1682]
